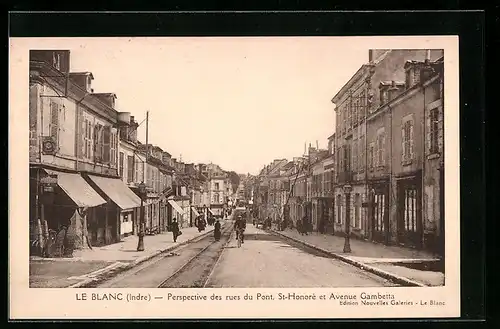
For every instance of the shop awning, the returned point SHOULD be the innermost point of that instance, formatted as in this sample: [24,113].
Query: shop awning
[195,211]
[117,191]
[77,189]
[210,210]
[176,206]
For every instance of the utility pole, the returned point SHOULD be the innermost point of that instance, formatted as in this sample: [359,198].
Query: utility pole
[143,192]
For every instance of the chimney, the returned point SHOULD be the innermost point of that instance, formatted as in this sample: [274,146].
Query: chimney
[427,56]
[370,55]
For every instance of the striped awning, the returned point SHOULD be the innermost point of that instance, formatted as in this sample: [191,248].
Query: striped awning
[117,191]
[196,213]
[176,206]
[77,189]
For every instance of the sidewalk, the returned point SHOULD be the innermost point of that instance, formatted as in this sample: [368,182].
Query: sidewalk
[88,265]
[416,267]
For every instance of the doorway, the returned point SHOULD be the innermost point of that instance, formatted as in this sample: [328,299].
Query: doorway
[409,212]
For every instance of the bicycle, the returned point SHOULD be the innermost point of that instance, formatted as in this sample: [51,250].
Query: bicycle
[240,238]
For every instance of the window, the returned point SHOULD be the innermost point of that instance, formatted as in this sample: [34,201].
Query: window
[98,140]
[54,121]
[380,149]
[130,168]
[407,141]
[344,119]
[410,210]
[106,144]
[434,130]
[379,212]
[121,164]
[355,112]
[371,156]
[217,186]
[383,96]
[357,210]
[362,158]
[339,209]
[349,113]
[113,148]
[355,156]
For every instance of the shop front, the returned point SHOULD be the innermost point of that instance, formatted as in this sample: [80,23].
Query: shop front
[66,204]
[116,218]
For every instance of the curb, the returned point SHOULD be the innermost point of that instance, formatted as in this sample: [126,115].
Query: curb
[384,274]
[116,270]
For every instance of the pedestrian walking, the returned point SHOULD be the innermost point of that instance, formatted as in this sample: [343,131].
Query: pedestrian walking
[175,229]
[217,231]
[305,225]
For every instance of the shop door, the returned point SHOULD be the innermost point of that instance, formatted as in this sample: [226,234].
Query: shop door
[380,214]
[409,213]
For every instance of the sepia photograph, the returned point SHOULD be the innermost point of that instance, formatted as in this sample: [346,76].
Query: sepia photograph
[237,163]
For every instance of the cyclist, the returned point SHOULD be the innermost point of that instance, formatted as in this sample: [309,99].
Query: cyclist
[240,225]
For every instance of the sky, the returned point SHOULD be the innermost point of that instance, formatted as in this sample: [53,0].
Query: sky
[236,102]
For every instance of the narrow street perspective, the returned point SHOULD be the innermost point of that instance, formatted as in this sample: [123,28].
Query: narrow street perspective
[191,174]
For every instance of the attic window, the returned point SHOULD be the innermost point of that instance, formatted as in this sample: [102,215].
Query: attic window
[383,96]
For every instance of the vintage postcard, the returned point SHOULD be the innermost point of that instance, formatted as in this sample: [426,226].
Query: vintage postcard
[234,177]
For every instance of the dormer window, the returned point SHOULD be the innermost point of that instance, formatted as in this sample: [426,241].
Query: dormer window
[383,96]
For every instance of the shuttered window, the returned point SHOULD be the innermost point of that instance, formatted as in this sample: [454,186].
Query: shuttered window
[98,146]
[380,151]
[407,141]
[130,168]
[54,121]
[106,144]
[434,131]
[354,155]
[362,156]
[371,155]
[120,170]
[33,114]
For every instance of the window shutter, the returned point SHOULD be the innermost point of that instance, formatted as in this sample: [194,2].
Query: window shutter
[428,133]
[410,141]
[54,121]
[382,151]
[33,114]
[440,138]
[403,143]
[97,145]
[376,152]
[106,142]
[82,136]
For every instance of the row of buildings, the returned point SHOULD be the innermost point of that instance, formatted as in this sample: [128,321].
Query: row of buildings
[87,164]
[383,171]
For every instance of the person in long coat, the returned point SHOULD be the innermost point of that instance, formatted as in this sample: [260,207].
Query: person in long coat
[217,231]
[175,229]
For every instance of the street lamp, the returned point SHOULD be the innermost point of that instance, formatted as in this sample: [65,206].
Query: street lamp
[142,192]
[347,243]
